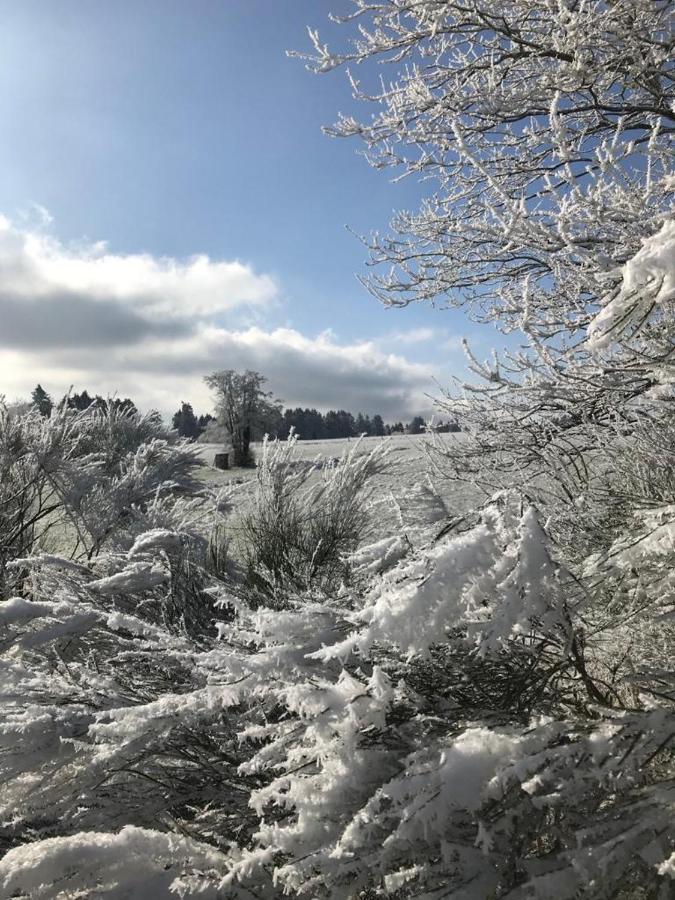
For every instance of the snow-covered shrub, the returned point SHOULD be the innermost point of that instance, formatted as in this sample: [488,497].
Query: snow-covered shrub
[219,551]
[474,732]
[305,517]
[39,464]
[111,509]
[464,722]
[95,864]
[74,479]
[113,431]
[214,433]
[112,708]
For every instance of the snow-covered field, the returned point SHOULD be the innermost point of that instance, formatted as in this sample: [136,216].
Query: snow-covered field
[406,446]
[411,485]
[408,451]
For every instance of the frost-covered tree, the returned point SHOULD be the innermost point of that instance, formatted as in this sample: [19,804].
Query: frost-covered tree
[245,409]
[545,127]
[543,130]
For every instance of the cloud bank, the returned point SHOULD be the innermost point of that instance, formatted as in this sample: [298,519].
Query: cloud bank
[151,327]
[39,271]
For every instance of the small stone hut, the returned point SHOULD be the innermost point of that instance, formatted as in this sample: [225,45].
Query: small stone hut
[222,458]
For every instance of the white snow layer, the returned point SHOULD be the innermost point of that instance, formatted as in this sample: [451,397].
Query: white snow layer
[648,280]
[92,863]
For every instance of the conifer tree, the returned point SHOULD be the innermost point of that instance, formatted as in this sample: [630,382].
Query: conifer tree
[42,401]
[185,422]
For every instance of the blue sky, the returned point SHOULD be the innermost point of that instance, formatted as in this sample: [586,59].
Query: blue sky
[171,130]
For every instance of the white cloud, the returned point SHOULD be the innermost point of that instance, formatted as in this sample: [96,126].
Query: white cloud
[302,371]
[151,328]
[412,336]
[35,266]
[310,371]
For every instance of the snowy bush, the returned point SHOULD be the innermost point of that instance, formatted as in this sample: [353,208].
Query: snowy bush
[82,478]
[305,517]
[465,722]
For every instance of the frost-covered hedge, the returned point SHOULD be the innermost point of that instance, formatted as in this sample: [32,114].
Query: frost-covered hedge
[472,716]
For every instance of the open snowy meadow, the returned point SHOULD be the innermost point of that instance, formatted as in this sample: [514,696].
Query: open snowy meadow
[414,463]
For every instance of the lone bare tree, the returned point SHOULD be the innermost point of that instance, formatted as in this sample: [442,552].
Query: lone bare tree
[244,408]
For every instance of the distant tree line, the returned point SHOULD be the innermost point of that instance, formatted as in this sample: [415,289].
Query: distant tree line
[310,424]
[44,403]
[85,401]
